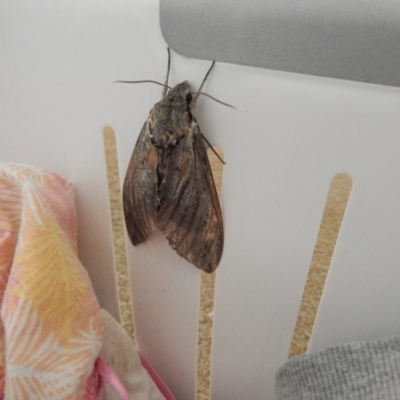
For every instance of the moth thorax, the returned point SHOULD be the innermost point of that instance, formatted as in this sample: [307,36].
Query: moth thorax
[168,139]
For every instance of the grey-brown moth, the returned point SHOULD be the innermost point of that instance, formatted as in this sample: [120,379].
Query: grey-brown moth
[169,184]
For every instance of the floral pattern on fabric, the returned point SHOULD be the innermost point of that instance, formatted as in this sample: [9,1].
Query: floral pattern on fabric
[50,327]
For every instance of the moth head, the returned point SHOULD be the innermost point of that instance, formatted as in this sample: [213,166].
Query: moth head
[170,118]
[180,94]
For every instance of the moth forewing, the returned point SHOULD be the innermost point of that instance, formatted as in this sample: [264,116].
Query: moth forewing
[169,184]
[140,189]
[190,217]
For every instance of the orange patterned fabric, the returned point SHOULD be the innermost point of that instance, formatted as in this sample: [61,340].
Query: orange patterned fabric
[50,325]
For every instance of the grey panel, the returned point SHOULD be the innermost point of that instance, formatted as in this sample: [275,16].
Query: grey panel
[347,39]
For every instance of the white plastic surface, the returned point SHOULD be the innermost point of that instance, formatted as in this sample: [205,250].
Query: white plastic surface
[280,161]
[55,89]
[289,136]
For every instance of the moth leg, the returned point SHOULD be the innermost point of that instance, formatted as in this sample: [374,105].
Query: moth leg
[212,148]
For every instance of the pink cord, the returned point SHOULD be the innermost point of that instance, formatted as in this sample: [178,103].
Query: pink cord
[162,387]
[108,374]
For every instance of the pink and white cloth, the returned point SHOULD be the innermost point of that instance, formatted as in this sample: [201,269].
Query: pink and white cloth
[51,324]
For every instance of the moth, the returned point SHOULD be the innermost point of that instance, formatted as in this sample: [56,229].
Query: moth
[169,185]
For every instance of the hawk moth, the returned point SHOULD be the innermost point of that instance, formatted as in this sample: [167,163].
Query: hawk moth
[169,184]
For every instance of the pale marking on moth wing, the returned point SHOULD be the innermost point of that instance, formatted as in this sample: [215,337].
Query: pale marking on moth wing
[152,157]
[183,169]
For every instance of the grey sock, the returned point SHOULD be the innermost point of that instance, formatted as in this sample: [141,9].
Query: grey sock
[359,370]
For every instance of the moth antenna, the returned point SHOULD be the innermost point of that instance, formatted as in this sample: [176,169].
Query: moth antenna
[193,103]
[146,81]
[213,150]
[211,97]
[164,92]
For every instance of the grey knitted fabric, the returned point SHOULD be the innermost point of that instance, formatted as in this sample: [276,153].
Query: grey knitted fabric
[359,370]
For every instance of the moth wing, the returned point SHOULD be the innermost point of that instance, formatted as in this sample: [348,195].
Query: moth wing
[140,189]
[190,214]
